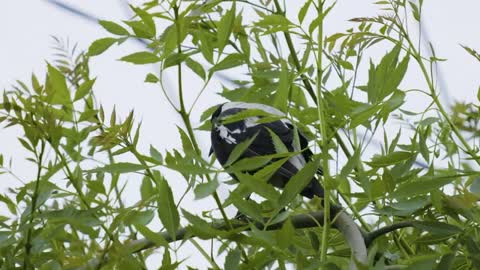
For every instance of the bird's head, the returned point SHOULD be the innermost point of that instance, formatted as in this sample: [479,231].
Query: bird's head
[215,120]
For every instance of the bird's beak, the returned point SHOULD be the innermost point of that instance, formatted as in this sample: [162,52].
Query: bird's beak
[211,151]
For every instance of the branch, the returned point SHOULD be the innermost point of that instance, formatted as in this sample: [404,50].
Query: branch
[341,221]
[371,236]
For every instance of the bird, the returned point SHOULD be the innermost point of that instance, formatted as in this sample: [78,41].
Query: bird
[226,135]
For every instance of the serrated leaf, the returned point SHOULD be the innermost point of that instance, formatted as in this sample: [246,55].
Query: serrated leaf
[141,58]
[156,238]
[135,217]
[204,190]
[247,207]
[113,28]
[57,87]
[156,155]
[390,159]
[225,27]
[239,150]
[283,90]
[303,11]
[151,78]
[277,143]
[298,182]
[232,261]
[231,61]
[435,227]
[201,228]
[196,67]
[422,186]
[100,45]
[120,167]
[258,186]
[84,89]
[167,210]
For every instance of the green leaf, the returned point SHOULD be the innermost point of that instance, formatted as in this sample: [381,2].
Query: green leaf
[9,203]
[360,117]
[247,207]
[113,28]
[156,238]
[225,27]
[248,164]
[231,61]
[201,228]
[239,150]
[156,155]
[147,19]
[390,159]
[135,217]
[232,261]
[57,87]
[303,11]
[298,182]
[277,143]
[258,186]
[141,58]
[167,210]
[283,91]
[267,171]
[151,78]
[204,190]
[423,185]
[196,67]
[415,10]
[146,189]
[100,45]
[121,167]
[435,227]
[274,23]
[186,143]
[141,29]
[84,89]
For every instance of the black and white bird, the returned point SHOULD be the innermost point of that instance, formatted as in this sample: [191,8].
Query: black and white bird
[226,136]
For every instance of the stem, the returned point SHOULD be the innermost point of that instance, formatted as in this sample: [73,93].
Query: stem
[323,133]
[370,237]
[28,245]
[204,253]
[293,54]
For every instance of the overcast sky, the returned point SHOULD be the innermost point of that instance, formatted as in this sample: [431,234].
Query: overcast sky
[26,28]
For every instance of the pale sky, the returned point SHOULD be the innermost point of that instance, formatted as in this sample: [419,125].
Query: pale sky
[27,27]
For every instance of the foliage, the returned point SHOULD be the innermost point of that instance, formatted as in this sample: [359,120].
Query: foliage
[72,210]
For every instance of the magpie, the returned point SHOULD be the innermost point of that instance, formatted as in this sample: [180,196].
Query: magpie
[226,135]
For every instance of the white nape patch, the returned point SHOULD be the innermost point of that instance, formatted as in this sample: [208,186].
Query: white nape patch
[252,106]
[251,121]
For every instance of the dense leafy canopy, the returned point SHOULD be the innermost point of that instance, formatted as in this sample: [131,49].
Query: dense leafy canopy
[415,197]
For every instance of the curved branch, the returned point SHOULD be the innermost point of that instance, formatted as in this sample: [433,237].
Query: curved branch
[371,236]
[341,221]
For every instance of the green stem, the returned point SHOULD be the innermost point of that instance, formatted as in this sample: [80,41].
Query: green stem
[323,132]
[28,244]
[204,253]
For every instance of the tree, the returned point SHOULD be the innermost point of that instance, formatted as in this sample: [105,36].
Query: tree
[422,195]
